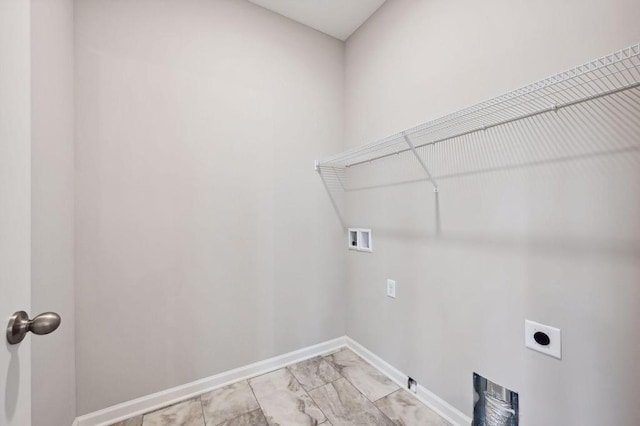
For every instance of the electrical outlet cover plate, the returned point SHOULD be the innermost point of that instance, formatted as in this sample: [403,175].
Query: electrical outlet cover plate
[391,288]
[554,348]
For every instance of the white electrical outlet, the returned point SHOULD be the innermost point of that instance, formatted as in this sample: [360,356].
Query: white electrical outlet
[391,288]
[543,338]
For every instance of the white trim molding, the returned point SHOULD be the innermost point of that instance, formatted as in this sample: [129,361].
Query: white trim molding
[161,399]
[424,395]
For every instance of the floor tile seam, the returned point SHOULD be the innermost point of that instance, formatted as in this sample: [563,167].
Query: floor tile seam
[204,417]
[328,383]
[282,367]
[334,366]
[376,369]
[355,387]
[382,412]
[319,386]
[238,416]
[326,418]
[415,397]
[401,390]
[265,373]
[325,384]
[386,395]
[395,391]
[367,398]
[357,390]
[289,365]
[256,398]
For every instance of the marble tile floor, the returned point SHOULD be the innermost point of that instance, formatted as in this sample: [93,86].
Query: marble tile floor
[339,389]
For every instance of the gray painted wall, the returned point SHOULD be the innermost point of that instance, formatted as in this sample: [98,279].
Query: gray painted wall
[557,244]
[52,284]
[204,239]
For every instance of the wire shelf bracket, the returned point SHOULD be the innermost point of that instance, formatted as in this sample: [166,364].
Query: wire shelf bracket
[422,163]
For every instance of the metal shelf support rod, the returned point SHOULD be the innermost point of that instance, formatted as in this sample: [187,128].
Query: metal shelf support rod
[422,163]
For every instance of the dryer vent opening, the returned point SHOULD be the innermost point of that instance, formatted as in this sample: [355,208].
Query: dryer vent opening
[493,405]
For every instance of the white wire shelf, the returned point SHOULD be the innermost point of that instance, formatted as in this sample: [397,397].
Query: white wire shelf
[608,76]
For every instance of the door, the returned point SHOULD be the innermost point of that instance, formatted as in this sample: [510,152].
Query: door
[15,217]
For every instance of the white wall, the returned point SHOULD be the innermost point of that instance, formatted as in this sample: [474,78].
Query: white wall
[558,244]
[204,239]
[52,172]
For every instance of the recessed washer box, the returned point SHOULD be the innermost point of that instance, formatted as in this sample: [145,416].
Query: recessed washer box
[353,239]
[543,338]
[360,239]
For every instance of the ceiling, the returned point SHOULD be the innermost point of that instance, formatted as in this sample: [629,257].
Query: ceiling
[338,18]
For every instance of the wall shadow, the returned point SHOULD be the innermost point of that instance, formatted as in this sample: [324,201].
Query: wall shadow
[12,383]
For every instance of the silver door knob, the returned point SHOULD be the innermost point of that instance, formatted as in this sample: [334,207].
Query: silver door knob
[20,324]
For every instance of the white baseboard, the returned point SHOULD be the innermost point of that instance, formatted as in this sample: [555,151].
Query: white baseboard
[428,398]
[158,400]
